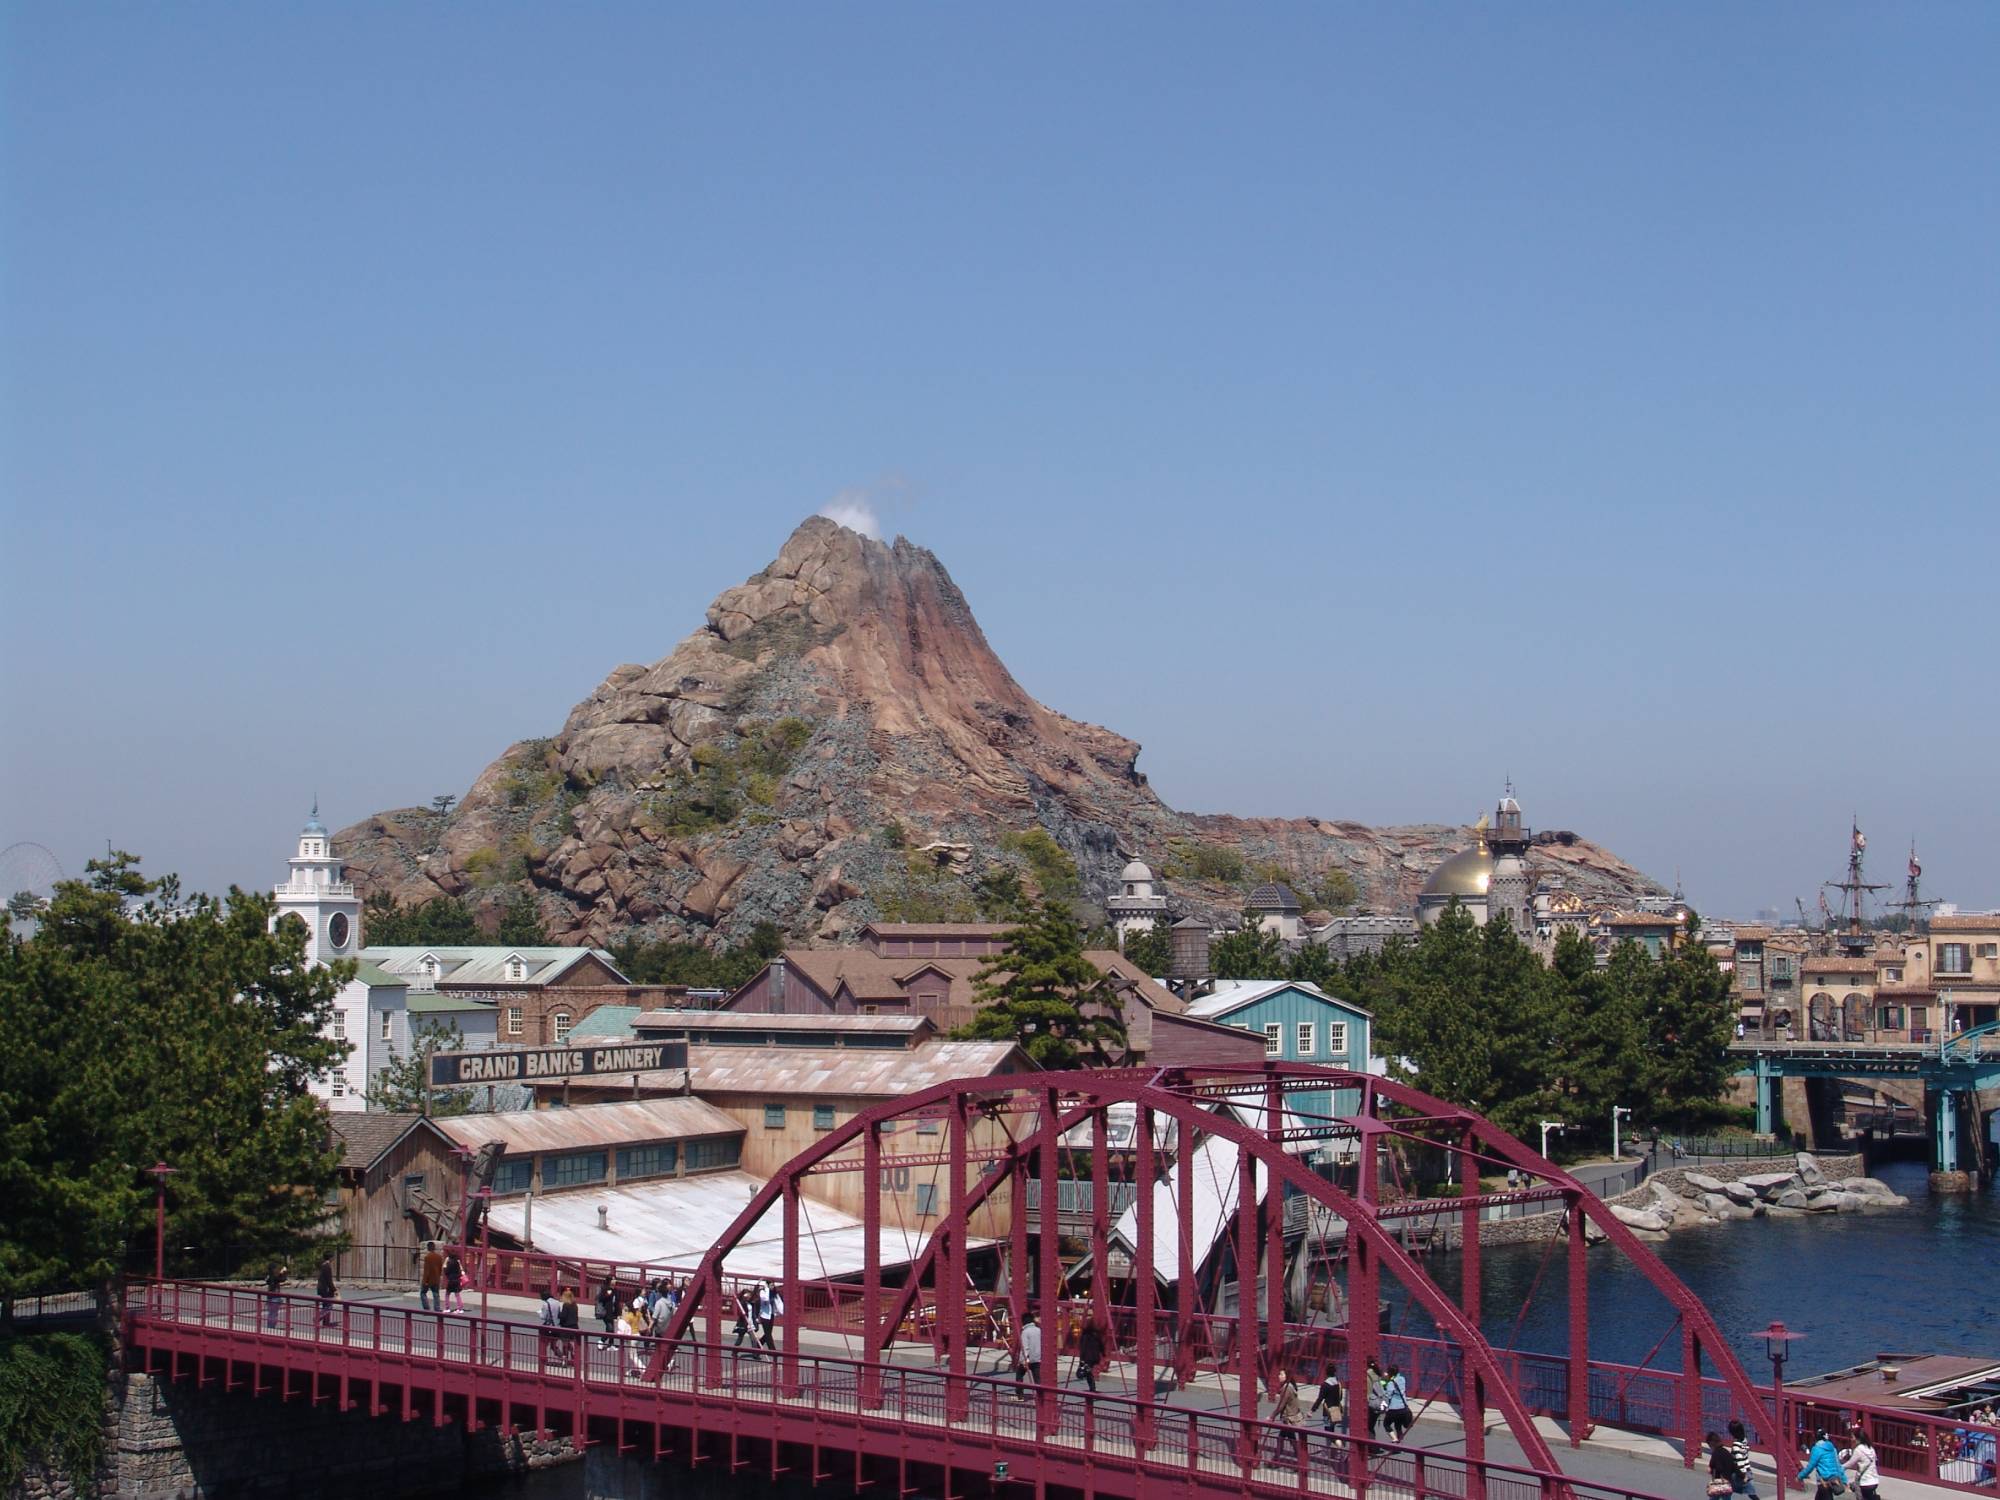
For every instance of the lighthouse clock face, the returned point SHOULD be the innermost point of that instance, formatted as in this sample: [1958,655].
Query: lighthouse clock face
[336,931]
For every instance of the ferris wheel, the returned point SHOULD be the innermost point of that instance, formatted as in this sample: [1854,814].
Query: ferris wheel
[28,876]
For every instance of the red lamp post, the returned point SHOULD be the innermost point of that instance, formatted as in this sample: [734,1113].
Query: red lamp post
[1776,1337]
[159,1171]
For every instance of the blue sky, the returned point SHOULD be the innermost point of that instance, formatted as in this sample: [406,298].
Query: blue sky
[1604,396]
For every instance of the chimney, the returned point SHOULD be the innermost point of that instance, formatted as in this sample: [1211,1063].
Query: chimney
[778,983]
[603,1218]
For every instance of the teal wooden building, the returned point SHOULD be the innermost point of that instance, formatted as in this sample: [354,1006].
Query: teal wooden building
[1299,1023]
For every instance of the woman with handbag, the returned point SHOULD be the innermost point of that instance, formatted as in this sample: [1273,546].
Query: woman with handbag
[1823,1464]
[1722,1469]
[1860,1459]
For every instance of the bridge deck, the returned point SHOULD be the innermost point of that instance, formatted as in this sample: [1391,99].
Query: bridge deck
[416,1364]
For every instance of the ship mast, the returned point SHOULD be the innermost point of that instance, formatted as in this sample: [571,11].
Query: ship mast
[1913,906]
[1853,891]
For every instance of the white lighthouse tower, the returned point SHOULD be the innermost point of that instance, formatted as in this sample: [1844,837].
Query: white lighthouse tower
[315,893]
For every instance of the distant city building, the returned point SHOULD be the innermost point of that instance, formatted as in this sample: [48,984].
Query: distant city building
[1349,937]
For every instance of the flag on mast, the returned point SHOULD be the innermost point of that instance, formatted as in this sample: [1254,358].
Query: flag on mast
[1915,868]
[1860,839]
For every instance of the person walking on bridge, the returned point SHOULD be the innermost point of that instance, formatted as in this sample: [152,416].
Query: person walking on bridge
[1089,1354]
[454,1282]
[1029,1360]
[1396,1413]
[1328,1403]
[1859,1460]
[1371,1383]
[1288,1417]
[1823,1464]
[327,1291]
[1739,1449]
[274,1287]
[430,1281]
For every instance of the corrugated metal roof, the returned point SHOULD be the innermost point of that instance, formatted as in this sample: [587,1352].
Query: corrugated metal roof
[377,977]
[676,1222]
[606,1021]
[429,1002]
[848,1072]
[631,1122]
[487,963]
[1233,994]
[744,1020]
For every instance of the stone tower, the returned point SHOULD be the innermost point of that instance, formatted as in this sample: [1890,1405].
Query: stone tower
[1511,894]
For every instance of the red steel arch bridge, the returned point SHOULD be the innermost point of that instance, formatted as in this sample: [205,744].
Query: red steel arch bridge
[1261,1203]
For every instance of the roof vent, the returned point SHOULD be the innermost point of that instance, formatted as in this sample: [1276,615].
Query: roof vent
[603,1217]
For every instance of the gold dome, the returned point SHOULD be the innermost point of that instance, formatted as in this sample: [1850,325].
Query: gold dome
[1465,875]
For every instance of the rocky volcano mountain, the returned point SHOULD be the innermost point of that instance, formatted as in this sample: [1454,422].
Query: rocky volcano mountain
[837,744]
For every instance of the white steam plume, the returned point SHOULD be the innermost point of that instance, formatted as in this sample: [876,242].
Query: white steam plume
[852,510]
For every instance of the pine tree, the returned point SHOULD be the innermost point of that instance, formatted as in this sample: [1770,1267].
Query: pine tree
[403,1085]
[1691,1025]
[182,1031]
[1151,948]
[1035,992]
[1250,952]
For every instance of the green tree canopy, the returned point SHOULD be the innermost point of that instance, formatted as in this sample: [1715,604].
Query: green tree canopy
[1034,993]
[442,921]
[135,1026]
[402,1086]
[1250,952]
[1151,948]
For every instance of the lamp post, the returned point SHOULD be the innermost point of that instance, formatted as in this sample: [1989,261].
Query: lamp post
[1775,1338]
[1618,1112]
[484,1198]
[159,1171]
[1548,1125]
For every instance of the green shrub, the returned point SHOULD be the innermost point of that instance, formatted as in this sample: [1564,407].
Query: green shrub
[1188,859]
[51,1405]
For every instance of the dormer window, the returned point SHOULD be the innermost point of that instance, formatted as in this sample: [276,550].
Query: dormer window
[428,966]
[517,967]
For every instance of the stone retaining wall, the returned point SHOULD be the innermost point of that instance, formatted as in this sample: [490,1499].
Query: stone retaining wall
[165,1439]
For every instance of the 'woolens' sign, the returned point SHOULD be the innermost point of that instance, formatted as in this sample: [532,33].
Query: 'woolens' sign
[535,1064]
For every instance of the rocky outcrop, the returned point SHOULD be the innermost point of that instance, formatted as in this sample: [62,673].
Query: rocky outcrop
[837,743]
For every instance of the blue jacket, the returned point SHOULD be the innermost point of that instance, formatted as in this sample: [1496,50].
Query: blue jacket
[1823,1462]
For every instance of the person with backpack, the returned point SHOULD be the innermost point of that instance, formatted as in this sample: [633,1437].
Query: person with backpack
[454,1283]
[549,1335]
[567,1321]
[1859,1460]
[1739,1449]
[1328,1404]
[1372,1379]
[1823,1464]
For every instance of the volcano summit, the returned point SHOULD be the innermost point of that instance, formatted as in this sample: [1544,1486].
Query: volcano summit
[839,744]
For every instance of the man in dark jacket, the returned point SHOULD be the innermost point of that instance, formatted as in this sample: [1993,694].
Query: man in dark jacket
[327,1291]
[1089,1355]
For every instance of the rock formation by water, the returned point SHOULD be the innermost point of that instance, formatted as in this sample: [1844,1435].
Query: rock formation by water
[836,743]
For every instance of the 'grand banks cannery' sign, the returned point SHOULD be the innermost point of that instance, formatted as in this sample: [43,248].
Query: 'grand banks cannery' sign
[536,1064]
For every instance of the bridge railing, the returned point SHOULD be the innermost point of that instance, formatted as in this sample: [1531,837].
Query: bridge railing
[982,1413]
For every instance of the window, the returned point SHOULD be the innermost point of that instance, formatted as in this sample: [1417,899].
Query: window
[577,1167]
[1987,950]
[1336,1038]
[647,1161]
[926,1198]
[1308,1038]
[517,967]
[1274,1039]
[1954,958]
[1892,975]
[514,1175]
[774,1117]
[340,1026]
[560,1024]
[822,1117]
[513,1020]
[1889,1018]
[388,1026]
[429,967]
[929,1126]
[1781,971]
[338,1084]
[1920,1017]
[722,1151]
